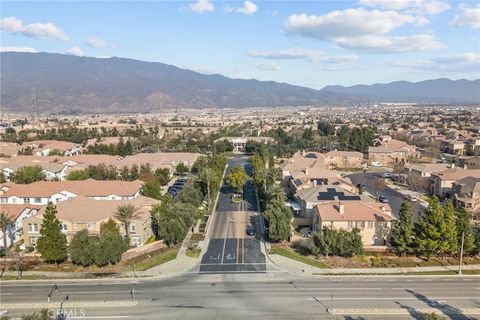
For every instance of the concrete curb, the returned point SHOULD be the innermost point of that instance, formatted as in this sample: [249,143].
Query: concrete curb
[402,311]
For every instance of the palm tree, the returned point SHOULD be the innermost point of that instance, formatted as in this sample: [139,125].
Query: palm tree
[207,175]
[5,220]
[275,192]
[125,214]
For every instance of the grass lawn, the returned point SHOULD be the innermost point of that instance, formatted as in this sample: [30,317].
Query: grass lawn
[152,261]
[446,272]
[193,253]
[295,256]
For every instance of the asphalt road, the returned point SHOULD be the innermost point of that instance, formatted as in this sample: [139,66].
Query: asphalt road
[230,249]
[395,198]
[247,296]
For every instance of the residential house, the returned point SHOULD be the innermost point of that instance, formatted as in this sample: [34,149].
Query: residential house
[388,150]
[52,169]
[373,220]
[470,162]
[453,146]
[45,147]
[442,181]
[239,143]
[423,173]
[81,213]
[466,195]
[344,159]
[42,192]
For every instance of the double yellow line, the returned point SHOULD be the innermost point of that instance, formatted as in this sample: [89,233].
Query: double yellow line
[240,250]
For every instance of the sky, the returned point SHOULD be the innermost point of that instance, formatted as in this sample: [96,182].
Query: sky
[307,43]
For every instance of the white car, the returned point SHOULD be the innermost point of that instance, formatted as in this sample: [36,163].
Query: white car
[412,198]
[376,164]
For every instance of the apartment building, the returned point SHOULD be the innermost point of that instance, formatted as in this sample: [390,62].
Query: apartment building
[81,213]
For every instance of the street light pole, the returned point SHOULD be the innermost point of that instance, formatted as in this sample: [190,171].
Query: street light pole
[461,255]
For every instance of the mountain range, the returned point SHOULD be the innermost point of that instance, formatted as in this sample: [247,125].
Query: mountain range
[65,83]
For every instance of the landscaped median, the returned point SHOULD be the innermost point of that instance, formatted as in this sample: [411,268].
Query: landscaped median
[152,259]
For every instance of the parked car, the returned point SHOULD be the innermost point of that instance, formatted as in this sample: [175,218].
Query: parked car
[250,231]
[387,175]
[412,198]
[376,164]
[383,199]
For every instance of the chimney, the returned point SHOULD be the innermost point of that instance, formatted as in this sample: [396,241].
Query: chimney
[341,208]
[304,153]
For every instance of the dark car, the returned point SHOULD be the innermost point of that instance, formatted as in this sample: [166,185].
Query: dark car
[250,231]
[383,199]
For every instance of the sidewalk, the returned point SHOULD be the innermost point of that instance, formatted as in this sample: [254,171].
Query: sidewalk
[302,269]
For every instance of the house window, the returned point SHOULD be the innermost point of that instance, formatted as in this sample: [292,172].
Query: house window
[133,228]
[63,227]
[4,200]
[370,224]
[360,224]
[32,227]
[90,226]
[33,240]
[26,200]
[14,200]
[350,224]
[38,200]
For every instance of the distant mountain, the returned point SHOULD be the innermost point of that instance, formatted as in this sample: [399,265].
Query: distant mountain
[65,82]
[428,91]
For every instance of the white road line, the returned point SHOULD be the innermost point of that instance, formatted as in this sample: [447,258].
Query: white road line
[225,239]
[389,298]
[99,292]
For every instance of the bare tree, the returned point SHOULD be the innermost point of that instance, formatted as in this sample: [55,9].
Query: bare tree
[378,186]
[19,262]
[413,181]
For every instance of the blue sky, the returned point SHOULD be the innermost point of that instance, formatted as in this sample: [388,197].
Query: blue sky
[309,43]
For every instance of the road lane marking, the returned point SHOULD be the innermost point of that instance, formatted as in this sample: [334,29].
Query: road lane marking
[225,238]
[391,298]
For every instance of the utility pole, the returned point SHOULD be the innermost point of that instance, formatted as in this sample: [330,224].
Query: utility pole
[461,255]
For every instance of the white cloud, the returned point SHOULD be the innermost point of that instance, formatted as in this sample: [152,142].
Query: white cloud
[202,6]
[469,17]
[349,23]
[95,42]
[248,8]
[363,30]
[269,66]
[17,49]
[310,55]
[34,30]
[462,62]
[414,6]
[75,51]
[387,44]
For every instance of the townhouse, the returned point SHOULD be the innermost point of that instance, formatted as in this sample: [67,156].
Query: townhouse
[81,213]
[17,213]
[373,220]
[42,192]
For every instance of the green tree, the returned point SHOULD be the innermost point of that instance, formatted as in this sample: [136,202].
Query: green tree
[429,229]
[403,231]
[111,244]
[158,211]
[5,221]
[325,240]
[449,230]
[125,214]
[464,226]
[278,217]
[237,179]
[52,244]
[191,195]
[151,189]
[181,168]
[83,247]
[78,175]
[176,220]
[207,175]
[29,174]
